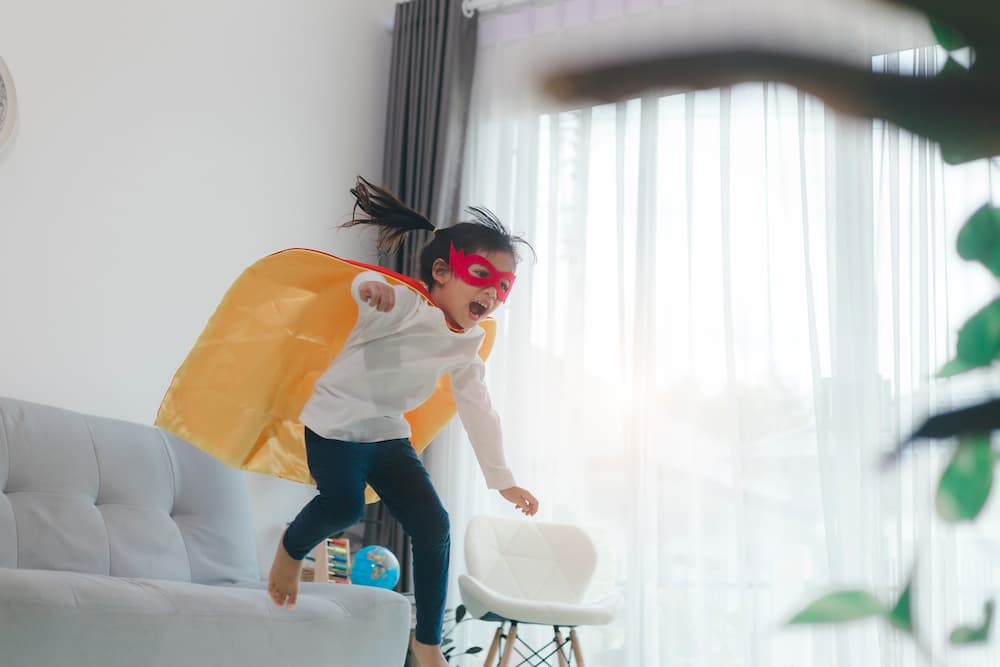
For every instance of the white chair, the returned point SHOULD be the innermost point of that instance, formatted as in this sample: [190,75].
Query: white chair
[529,572]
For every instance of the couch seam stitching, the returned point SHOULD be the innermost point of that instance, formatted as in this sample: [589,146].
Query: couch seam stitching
[13,514]
[173,478]
[97,461]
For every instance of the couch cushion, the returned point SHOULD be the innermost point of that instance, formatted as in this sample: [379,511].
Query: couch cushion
[65,618]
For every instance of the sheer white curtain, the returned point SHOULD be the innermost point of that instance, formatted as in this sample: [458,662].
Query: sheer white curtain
[739,302]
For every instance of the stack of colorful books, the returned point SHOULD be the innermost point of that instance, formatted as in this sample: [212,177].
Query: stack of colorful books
[336,553]
[338,557]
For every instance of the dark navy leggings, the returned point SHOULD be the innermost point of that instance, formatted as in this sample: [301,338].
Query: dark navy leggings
[341,470]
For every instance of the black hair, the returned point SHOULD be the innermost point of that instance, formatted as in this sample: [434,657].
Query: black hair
[381,208]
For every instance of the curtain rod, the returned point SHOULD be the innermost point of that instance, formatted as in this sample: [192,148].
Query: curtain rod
[469,7]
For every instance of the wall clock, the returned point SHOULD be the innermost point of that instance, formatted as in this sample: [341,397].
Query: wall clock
[8,106]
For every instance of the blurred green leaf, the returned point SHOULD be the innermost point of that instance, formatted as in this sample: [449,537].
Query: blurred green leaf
[972,419]
[979,238]
[955,367]
[947,36]
[964,634]
[901,614]
[979,338]
[954,154]
[840,607]
[953,68]
[474,650]
[459,613]
[966,482]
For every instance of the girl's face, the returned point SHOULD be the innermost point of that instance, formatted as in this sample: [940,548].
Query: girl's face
[465,304]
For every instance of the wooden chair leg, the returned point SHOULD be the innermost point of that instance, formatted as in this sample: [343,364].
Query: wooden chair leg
[494,647]
[508,648]
[559,648]
[577,651]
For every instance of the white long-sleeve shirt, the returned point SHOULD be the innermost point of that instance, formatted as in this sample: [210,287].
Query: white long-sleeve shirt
[390,364]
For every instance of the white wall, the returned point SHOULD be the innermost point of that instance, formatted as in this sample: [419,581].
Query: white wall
[163,146]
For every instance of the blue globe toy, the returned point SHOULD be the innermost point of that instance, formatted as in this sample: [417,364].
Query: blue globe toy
[375,566]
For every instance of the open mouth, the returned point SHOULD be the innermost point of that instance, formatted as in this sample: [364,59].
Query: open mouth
[477,310]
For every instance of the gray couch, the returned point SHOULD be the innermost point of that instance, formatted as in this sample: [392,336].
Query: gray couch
[121,546]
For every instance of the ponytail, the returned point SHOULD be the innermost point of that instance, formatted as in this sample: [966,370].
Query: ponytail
[395,220]
[383,210]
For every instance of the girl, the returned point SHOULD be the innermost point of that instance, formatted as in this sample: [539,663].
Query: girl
[355,431]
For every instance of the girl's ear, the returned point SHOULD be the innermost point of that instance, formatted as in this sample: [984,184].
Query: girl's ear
[441,272]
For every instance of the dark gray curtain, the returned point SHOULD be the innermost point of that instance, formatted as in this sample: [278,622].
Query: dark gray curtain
[430,84]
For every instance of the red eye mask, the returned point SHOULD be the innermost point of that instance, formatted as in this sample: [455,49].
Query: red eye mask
[460,263]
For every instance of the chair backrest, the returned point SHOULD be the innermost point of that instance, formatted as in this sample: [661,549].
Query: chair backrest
[531,560]
[100,496]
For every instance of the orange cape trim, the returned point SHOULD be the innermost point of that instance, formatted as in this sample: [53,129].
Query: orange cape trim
[239,392]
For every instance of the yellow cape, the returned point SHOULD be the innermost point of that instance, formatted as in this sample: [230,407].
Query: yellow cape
[239,393]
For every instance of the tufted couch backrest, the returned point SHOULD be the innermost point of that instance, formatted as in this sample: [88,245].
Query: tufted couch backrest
[101,496]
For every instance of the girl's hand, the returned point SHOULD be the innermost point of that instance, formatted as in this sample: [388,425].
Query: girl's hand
[522,499]
[378,295]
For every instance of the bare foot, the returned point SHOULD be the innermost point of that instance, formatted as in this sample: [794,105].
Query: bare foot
[283,580]
[427,655]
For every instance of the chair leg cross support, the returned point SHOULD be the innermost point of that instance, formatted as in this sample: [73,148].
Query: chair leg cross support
[557,646]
